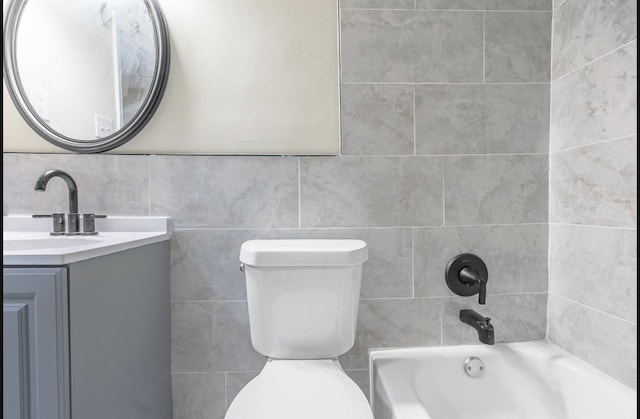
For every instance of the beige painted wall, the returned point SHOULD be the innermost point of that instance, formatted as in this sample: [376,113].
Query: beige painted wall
[247,77]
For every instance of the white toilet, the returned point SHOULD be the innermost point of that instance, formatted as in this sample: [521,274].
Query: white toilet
[303,304]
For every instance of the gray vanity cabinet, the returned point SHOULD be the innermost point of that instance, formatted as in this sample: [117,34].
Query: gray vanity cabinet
[34,348]
[88,340]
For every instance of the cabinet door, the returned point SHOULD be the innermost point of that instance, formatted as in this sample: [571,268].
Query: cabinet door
[35,343]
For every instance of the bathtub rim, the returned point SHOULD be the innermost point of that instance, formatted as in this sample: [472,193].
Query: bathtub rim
[378,354]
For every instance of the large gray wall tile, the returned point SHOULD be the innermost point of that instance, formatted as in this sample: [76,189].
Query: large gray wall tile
[607,342]
[112,185]
[393,323]
[596,267]
[204,263]
[216,191]
[411,46]
[377,119]
[387,273]
[514,317]
[595,184]
[211,337]
[498,189]
[371,191]
[584,30]
[485,4]
[376,4]
[198,395]
[516,257]
[517,47]
[597,102]
[482,119]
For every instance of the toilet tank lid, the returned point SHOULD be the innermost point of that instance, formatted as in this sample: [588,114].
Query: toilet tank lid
[300,252]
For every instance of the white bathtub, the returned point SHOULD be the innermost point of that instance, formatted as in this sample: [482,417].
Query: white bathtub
[525,380]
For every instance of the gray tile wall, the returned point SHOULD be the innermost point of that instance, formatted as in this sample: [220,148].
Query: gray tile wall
[445,141]
[593,184]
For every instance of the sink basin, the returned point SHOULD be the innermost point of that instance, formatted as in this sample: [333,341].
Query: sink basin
[26,240]
[12,245]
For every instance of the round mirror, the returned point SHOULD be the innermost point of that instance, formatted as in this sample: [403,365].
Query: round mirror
[86,75]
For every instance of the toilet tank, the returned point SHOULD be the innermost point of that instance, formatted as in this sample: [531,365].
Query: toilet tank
[303,295]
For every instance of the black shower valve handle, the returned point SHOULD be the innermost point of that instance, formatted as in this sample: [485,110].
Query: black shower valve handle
[467,275]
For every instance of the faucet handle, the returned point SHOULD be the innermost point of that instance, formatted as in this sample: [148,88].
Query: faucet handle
[466,275]
[469,277]
[89,223]
[58,222]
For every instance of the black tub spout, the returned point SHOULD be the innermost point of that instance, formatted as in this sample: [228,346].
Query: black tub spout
[482,325]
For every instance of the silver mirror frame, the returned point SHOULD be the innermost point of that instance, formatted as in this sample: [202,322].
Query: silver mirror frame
[98,145]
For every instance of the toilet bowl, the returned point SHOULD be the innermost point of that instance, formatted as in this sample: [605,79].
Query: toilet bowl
[303,300]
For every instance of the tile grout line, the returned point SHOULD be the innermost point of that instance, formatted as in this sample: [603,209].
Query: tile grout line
[484,46]
[413,265]
[555,7]
[226,401]
[405,298]
[597,310]
[299,193]
[428,83]
[444,193]
[593,226]
[546,331]
[415,122]
[577,147]
[575,70]
[358,227]
[441,322]
[149,184]
[384,156]
[373,9]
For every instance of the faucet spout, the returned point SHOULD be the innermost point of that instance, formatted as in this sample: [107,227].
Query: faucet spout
[480,323]
[41,185]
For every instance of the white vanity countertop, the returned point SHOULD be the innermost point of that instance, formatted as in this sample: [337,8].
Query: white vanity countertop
[26,241]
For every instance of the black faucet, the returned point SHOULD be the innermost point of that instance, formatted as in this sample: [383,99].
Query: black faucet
[480,323]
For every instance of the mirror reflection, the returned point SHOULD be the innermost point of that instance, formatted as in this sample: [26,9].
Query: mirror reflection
[86,75]
[85,66]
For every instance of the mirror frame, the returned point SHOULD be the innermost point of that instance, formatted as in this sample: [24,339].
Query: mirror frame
[97,145]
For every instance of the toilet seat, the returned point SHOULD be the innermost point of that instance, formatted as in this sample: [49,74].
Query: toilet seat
[295,389]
